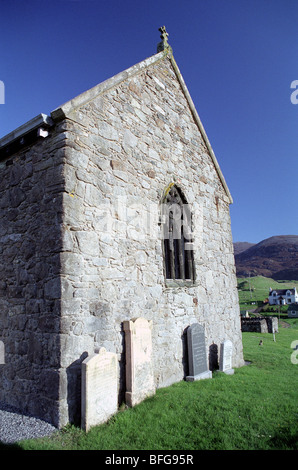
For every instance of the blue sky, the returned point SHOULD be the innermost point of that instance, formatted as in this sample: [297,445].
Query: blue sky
[238,59]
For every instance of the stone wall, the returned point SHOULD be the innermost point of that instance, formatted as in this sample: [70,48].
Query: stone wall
[31,186]
[260,324]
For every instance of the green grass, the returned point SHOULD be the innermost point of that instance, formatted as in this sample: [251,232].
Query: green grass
[254,409]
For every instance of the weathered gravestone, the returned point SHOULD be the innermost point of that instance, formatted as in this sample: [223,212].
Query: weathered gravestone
[2,353]
[99,388]
[197,360]
[226,357]
[139,367]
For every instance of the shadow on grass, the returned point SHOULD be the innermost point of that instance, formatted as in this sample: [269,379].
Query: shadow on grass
[4,446]
[284,440]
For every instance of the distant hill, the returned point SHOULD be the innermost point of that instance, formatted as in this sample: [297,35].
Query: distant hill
[276,257]
[241,246]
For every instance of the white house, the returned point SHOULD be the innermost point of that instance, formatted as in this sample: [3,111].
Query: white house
[283,296]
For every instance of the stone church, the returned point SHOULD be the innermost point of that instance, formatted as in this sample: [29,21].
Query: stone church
[113,207]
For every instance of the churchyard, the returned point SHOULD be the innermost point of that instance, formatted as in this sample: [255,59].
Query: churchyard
[253,409]
[112,308]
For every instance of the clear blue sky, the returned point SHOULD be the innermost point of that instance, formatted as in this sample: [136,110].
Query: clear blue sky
[238,59]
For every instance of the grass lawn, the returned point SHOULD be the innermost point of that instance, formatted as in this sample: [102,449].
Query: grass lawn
[255,409]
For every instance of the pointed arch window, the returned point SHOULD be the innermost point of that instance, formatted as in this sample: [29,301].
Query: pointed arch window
[177,237]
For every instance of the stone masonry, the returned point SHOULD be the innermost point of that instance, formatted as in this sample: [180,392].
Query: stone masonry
[260,324]
[80,239]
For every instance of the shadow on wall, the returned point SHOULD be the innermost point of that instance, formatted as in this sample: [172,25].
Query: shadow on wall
[122,369]
[185,352]
[213,357]
[74,378]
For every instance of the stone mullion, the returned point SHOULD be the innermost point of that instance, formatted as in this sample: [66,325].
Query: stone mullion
[172,249]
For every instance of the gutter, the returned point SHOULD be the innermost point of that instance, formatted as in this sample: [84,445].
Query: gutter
[25,135]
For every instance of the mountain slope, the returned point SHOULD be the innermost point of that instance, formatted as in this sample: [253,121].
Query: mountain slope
[275,257]
[241,246]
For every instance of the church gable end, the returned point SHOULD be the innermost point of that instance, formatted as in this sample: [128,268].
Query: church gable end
[125,146]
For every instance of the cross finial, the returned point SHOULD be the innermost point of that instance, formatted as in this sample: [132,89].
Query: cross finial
[164,34]
[164,43]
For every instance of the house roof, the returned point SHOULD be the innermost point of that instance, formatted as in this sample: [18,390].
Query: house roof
[66,109]
[282,291]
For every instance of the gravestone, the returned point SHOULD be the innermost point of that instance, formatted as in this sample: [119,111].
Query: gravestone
[197,360]
[99,388]
[139,366]
[2,353]
[226,357]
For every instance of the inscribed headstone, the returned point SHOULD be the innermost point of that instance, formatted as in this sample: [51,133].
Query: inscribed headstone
[99,388]
[197,359]
[226,357]
[2,353]
[139,366]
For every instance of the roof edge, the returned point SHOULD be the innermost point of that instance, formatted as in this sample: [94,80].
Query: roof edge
[41,120]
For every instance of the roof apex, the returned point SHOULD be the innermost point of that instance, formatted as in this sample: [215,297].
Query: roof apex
[67,108]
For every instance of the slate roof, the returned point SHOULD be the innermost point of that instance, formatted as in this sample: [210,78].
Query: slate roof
[282,291]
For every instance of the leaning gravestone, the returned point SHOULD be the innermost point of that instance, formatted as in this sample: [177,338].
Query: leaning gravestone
[226,357]
[99,388]
[139,366]
[197,359]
